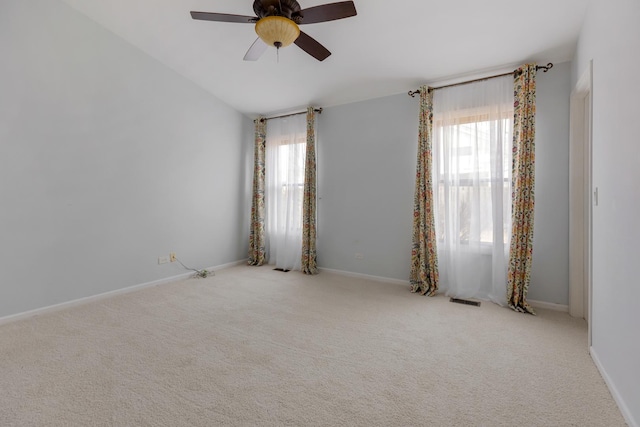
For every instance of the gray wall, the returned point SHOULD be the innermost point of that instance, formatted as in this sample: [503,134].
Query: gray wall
[108,160]
[366,166]
[366,176]
[611,38]
[550,270]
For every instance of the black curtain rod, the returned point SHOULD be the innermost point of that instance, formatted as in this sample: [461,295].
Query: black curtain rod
[317,110]
[544,68]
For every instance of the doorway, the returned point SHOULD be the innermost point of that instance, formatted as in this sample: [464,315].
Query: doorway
[581,201]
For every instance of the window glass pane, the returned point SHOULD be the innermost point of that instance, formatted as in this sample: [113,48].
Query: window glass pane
[467,159]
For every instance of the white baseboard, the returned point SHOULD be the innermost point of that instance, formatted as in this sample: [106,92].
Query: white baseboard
[229,264]
[366,276]
[628,416]
[98,297]
[549,306]
[536,304]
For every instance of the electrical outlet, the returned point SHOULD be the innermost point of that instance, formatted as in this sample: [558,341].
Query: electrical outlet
[359,256]
[163,260]
[172,257]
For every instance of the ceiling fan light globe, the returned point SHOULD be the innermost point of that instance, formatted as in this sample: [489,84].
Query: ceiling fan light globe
[274,30]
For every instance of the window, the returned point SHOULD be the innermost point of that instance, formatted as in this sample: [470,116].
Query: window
[465,182]
[289,183]
[472,140]
[284,190]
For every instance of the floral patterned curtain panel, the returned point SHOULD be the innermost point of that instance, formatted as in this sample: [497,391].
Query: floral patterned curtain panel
[523,185]
[424,258]
[256,237]
[309,261]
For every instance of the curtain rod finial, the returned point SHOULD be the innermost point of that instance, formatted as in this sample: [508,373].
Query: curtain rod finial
[545,68]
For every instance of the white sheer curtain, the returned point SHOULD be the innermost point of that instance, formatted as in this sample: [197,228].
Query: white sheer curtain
[472,140]
[284,190]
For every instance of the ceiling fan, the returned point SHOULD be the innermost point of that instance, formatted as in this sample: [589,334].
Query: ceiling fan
[276,23]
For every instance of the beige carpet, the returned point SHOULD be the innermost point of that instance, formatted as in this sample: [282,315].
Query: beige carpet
[252,346]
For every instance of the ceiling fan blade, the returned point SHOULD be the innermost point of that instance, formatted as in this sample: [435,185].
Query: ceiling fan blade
[256,50]
[223,17]
[328,12]
[312,47]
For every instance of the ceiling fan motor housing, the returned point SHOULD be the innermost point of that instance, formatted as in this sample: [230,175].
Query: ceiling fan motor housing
[286,8]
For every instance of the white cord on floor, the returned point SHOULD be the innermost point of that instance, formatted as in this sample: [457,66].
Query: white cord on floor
[199,273]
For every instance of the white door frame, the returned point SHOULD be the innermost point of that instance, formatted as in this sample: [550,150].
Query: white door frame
[580,203]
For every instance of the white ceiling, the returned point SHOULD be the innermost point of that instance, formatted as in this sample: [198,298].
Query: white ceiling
[392,46]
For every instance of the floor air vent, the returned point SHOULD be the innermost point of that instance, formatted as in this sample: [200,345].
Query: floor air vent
[282,269]
[465,301]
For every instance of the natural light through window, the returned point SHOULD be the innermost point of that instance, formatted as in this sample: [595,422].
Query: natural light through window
[466,182]
[286,148]
[290,173]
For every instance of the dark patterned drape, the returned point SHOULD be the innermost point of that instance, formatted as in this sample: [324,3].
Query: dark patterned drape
[256,236]
[424,258]
[523,185]
[309,261]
